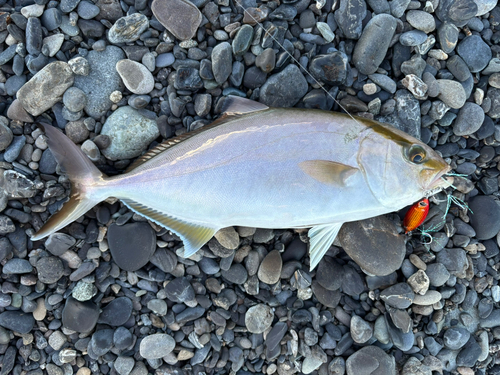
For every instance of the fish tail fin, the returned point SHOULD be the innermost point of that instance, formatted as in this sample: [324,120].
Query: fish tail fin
[85,178]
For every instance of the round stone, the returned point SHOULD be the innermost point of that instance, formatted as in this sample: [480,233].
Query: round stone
[136,77]
[50,269]
[421,20]
[451,93]
[469,119]
[74,99]
[179,290]
[124,242]
[258,318]
[456,337]
[484,216]
[117,312]
[156,346]
[270,269]
[128,29]
[17,266]
[370,360]
[236,274]
[361,330]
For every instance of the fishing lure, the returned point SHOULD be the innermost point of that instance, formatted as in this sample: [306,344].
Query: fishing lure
[416,215]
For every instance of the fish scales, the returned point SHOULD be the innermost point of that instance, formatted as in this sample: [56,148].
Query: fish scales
[261,167]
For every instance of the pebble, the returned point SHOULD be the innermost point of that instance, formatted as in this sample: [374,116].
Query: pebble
[270,269]
[221,62]
[101,80]
[486,217]
[429,298]
[378,252]
[372,46]
[284,89]
[87,10]
[129,143]
[128,29]
[136,77]
[421,20]
[17,321]
[117,312]
[361,331]
[368,360]
[167,11]
[179,290]
[469,119]
[475,52]
[258,318]
[412,38]
[399,296]
[451,93]
[329,273]
[236,274]
[350,16]
[74,99]
[46,87]
[455,337]
[164,59]
[17,266]
[50,269]
[156,346]
[242,40]
[332,68]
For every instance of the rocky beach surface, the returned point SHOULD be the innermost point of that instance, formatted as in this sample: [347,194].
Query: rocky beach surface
[109,294]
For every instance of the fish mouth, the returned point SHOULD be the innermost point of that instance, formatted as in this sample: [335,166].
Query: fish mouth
[439,181]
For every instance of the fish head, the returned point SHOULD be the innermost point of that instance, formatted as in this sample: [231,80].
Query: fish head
[398,168]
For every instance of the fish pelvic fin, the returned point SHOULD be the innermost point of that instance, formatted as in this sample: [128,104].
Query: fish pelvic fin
[193,235]
[85,181]
[321,237]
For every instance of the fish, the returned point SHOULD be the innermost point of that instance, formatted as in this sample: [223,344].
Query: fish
[263,167]
[416,215]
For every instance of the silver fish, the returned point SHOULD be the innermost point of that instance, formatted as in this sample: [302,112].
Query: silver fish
[260,167]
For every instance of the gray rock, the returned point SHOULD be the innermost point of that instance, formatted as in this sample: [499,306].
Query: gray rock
[136,77]
[33,36]
[80,66]
[124,365]
[333,68]
[475,52]
[400,296]
[51,18]
[258,318]
[242,40]
[87,10]
[469,119]
[17,321]
[167,13]
[101,81]
[438,274]
[372,47]
[50,269]
[16,266]
[412,38]
[350,16]
[130,133]
[117,312]
[370,360]
[485,218]
[80,316]
[46,88]
[128,29]
[6,138]
[164,59]
[83,291]
[52,44]
[456,337]
[361,330]
[222,62]
[374,245]
[421,20]
[451,93]
[74,99]
[284,89]
[156,346]
[270,269]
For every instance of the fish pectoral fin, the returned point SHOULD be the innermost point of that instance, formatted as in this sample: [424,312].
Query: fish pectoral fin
[321,237]
[328,172]
[235,105]
[194,236]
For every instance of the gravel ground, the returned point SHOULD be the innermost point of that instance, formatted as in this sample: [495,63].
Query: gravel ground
[109,294]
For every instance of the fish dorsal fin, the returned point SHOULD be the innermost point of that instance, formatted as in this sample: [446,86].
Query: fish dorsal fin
[235,105]
[328,172]
[321,237]
[194,236]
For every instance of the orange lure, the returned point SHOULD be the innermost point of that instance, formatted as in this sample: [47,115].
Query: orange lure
[416,215]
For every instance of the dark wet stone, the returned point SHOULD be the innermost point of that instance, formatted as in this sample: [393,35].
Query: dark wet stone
[50,269]
[58,243]
[179,290]
[128,29]
[485,308]
[485,218]
[447,36]
[454,260]
[188,79]
[456,337]
[412,38]
[33,36]
[370,360]
[328,298]
[51,18]
[8,54]
[242,40]
[164,259]
[475,52]
[254,77]
[399,296]
[352,282]
[372,47]
[374,244]
[275,336]
[469,354]
[17,321]
[17,266]
[333,68]
[492,320]
[122,338]
[284,89]
[469,119]
[437,273]
[124,242]
[190,314]
[80,316]
[101,342]
[401,340]
[117,312]
[236,274]
[222,62]
[329,273]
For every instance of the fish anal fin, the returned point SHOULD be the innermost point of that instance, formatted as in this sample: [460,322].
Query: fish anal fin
[321,237]
[328,172]
[235,105]
[194,236]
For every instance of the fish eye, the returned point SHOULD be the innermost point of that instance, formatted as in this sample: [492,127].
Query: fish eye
[416,154]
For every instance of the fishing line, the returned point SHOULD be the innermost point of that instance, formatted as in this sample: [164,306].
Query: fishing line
[295,60]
